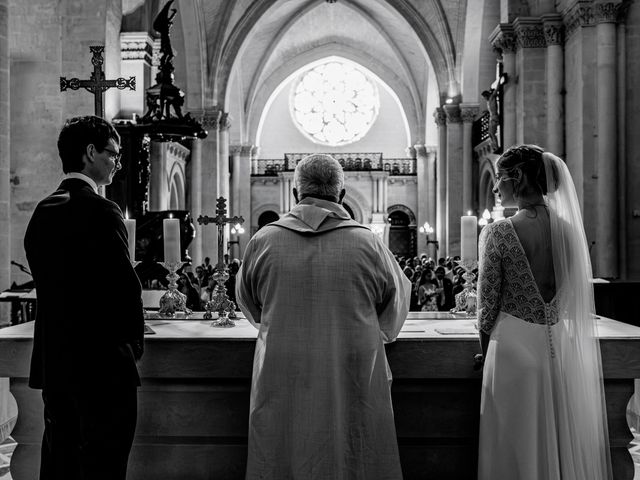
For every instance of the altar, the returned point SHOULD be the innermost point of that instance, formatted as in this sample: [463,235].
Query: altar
[194,399]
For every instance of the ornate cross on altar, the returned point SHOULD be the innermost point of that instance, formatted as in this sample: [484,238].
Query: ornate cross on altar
[97,83]
[220,302]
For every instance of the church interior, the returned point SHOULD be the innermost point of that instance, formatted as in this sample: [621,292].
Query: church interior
[415,98]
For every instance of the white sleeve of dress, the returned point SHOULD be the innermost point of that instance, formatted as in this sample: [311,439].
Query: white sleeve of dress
[244,289]
[489,279]
[393,310]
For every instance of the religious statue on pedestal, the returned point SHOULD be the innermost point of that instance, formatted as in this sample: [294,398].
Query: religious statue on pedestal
[164,96]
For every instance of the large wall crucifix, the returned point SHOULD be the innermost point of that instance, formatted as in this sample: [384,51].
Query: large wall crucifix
[97,83]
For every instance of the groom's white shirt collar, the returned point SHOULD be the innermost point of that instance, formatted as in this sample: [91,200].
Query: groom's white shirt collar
[82,176]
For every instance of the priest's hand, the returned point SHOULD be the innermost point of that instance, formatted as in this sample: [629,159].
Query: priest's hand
[478,361]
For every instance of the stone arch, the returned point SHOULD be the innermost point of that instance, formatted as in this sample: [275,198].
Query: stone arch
[478,68]
[177,187]
[439,47]
[404,209]
[403,238]
[267,217]
[270,88]
[193,38]
[360,205]
[486,174]
[259,210]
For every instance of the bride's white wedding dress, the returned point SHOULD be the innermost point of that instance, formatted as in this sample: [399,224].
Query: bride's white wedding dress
[517,412]
[542,414]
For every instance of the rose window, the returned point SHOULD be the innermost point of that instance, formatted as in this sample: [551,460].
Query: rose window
[334,103]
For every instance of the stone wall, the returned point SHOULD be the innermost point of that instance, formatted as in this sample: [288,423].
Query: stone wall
[632,102]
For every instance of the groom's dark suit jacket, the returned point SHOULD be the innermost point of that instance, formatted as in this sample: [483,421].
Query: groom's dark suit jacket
[89,324]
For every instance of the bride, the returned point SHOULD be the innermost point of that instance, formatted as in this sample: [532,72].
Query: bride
[542,414]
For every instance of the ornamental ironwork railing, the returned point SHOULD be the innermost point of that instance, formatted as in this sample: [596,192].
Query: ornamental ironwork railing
[480,129]
[351,162]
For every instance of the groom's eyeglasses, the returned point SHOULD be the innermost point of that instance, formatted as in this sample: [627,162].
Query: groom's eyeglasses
[115,156]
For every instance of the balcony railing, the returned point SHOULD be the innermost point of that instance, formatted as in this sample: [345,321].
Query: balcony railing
[351,162]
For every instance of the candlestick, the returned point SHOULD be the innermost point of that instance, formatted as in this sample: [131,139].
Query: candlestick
[173,300]
[130,225]
[469,237]
[171,231]
[467,299]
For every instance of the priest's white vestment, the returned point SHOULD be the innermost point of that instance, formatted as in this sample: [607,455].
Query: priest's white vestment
[325,294]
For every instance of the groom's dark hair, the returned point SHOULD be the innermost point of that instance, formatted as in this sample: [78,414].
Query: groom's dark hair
[77,133]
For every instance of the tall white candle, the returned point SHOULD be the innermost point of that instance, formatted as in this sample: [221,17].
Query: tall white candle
[171,230]
[469,237]
[131,235]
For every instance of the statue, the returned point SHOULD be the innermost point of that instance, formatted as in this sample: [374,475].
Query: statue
[491,96]
[164,95]
[162,24]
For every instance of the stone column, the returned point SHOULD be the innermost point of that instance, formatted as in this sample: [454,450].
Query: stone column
[468,113]
[426,173]
[504,41]
[244,196]
[532,81]
[441,178]
[223,159]
[210,119]
[553,31]
[136,49]
[195,194]
[5,179]
[158,184]
[235,151]
[454,180]
[374,195]
[234,202]
[606,257]
[379,214]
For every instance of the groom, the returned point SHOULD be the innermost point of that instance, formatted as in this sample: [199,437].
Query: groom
[88,332]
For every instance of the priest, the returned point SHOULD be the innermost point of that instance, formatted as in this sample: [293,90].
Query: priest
[326,295]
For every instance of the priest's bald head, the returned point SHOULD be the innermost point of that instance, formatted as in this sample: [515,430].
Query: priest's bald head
[319,176]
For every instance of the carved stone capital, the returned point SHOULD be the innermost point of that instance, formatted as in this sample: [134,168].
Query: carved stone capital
[410,152]
[503,38]
[255,151]
[245,150]
[136,46]
[553,29]
[225,121]
[581,14]
[529,33]
[453,114]
[212,118]
[421,151]
[235,150]
[439,116]
[208,117]
[606,12]
[468,113]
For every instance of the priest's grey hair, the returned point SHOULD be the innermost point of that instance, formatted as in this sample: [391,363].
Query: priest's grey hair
[319,174]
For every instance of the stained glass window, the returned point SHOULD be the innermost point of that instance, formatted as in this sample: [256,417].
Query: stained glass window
[334,103]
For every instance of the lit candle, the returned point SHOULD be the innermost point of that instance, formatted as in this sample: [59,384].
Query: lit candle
[131,235]
[171,231]
[469,237]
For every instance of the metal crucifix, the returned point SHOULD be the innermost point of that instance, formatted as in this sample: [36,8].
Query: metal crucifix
[97,83]
[220,301]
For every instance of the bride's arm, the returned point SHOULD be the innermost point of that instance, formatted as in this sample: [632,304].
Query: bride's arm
[489,283]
